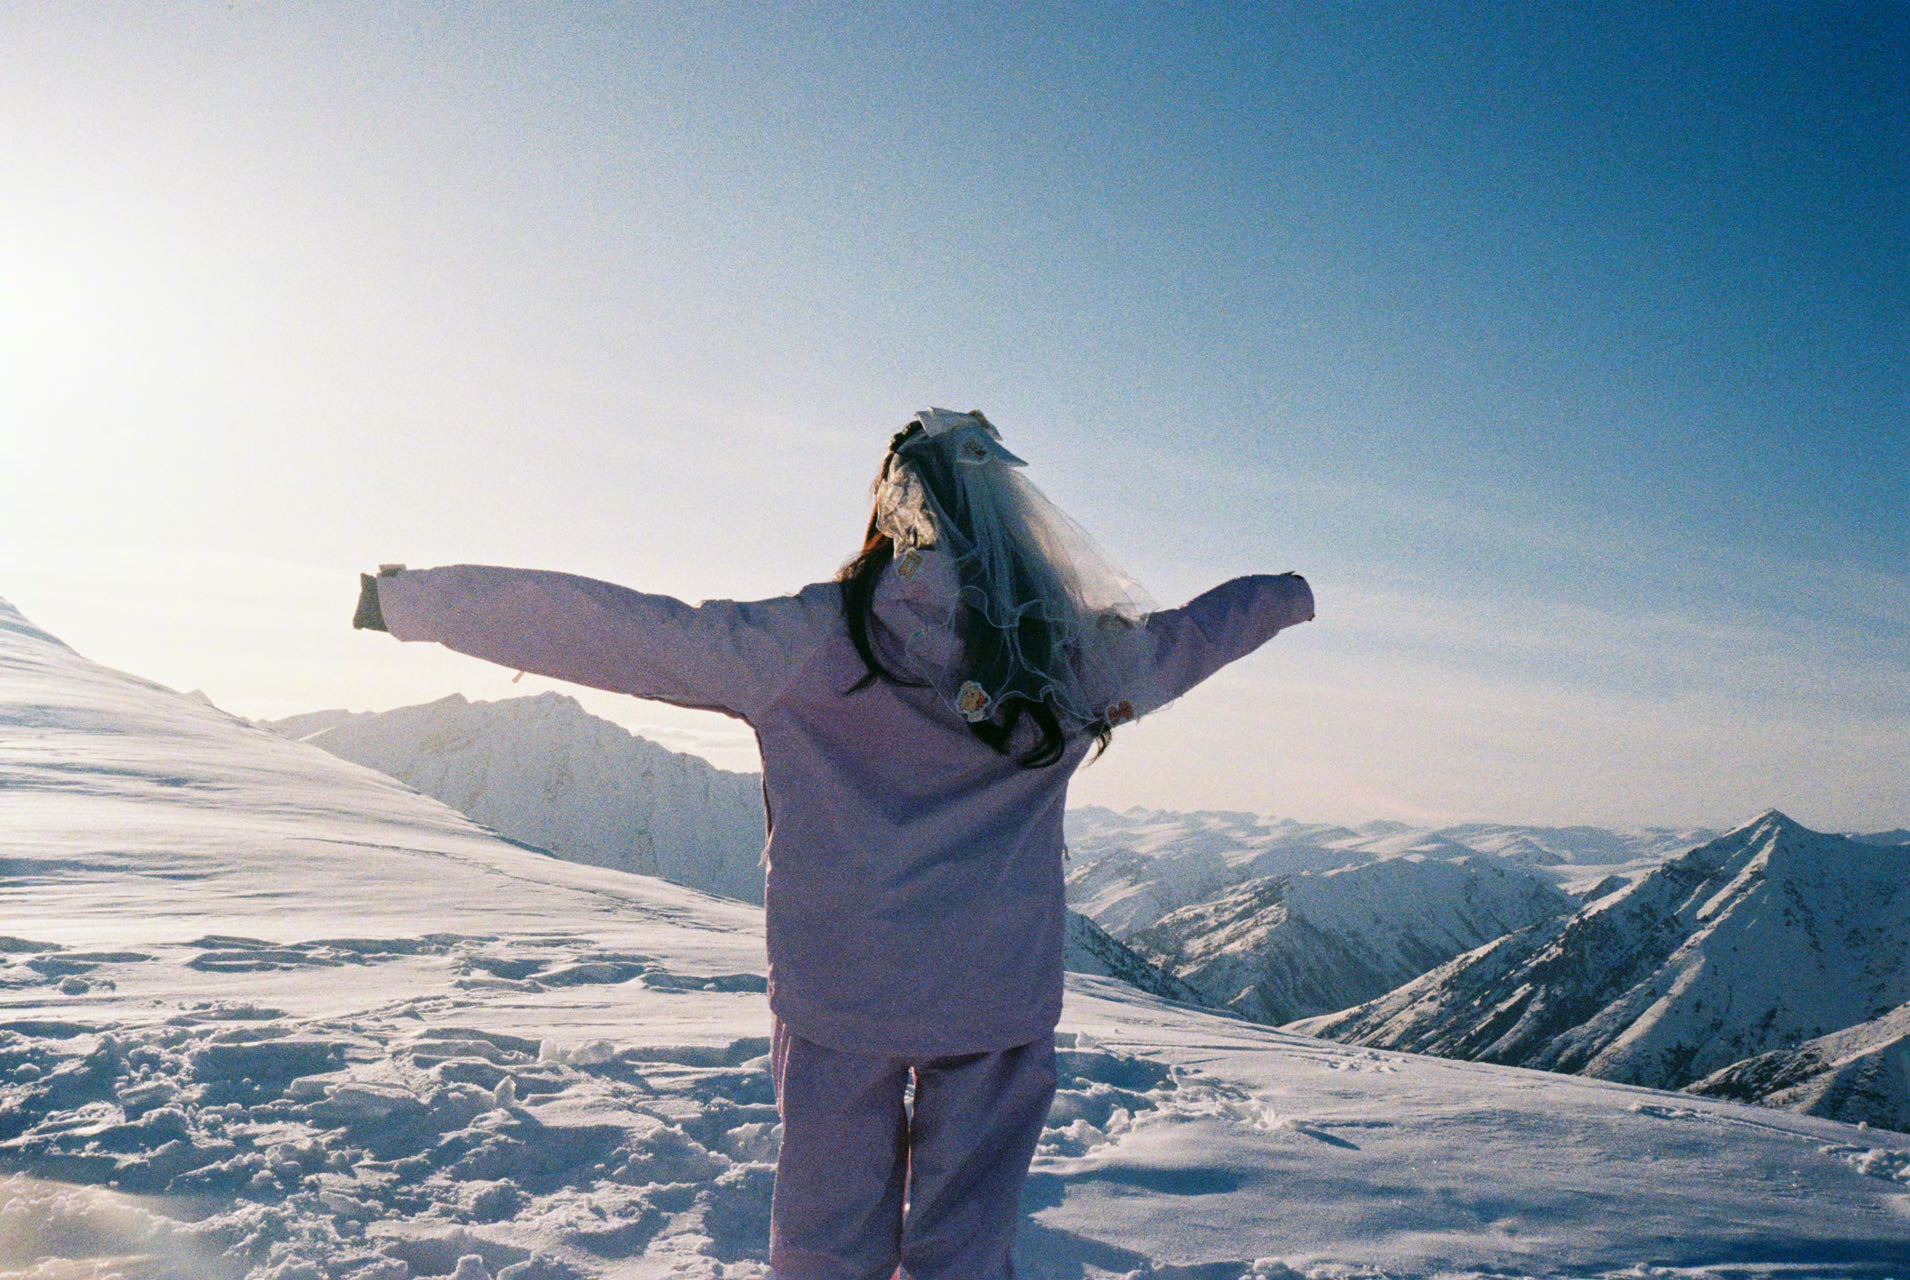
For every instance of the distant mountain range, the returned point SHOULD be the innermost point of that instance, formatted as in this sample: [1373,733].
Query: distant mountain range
[1772,943]
[1283,947]
[1129,869]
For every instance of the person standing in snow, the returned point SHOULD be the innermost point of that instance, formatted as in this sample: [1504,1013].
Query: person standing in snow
[919,717]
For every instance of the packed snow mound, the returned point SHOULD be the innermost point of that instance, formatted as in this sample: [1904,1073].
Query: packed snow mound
[267,1013]
[543,770]
[1764,938]
[1860,1074]
[1288,947]
[1132,868]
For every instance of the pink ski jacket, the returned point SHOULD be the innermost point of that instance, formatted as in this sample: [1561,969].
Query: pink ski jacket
[914,899]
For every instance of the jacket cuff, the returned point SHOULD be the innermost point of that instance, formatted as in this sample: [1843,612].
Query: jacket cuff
[1293,600]
[1302,598]
[399,603]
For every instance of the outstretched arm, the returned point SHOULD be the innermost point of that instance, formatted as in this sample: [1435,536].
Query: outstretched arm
[722,655]
[1220,625]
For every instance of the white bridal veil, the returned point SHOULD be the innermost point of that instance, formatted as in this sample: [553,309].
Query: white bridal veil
[1014,559]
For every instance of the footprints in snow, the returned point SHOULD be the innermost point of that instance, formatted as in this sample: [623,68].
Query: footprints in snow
[402,1138]
[25,963]
[407,1147]
[1104,1095]
[1874,1162]
[477,962]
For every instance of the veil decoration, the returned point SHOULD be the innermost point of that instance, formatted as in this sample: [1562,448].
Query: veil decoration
[1044,614]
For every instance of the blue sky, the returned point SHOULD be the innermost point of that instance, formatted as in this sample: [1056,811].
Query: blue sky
[1564,349]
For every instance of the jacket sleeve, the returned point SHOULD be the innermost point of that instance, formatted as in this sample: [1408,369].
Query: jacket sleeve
[722,655]
[1218,626]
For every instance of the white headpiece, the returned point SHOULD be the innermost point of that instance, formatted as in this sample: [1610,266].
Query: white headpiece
[1009,556]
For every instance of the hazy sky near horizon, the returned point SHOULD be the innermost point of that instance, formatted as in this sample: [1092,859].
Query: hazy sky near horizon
[1564,348]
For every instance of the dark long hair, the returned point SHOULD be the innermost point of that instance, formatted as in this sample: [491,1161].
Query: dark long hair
[984,645]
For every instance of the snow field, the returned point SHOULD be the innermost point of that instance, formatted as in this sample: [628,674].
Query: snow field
[266,1013]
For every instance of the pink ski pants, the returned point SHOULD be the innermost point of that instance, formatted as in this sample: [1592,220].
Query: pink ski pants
[852,1152]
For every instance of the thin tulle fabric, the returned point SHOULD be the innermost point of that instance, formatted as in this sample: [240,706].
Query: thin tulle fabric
[1061,622]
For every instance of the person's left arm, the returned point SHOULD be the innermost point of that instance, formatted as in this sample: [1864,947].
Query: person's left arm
[733,656]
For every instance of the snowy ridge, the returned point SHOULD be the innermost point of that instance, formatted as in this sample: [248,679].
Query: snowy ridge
[20,628]
[1861,1073]
[1091,949]
[1132,868]
[310,723]
[267,1013]
[1764,938]
[543,770]
[1287,947]
[1127,874]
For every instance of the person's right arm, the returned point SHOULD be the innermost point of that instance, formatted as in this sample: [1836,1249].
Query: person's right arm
[733,656]
[1217,627]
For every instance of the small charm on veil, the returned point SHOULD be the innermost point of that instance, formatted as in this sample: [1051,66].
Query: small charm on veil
[908,563]
[972,700]
[1120,712]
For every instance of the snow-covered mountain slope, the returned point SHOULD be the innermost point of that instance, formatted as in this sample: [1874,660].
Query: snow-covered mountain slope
[268,1013]
[307,723]
[1578,846]
[1088,948]
[1859,1074]
[1128,871]
[1131,868]
[543,770]
[1761,939]
[1287,947]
